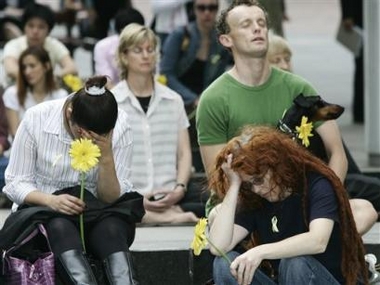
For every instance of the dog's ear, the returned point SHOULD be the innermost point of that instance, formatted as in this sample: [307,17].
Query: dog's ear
[306,101]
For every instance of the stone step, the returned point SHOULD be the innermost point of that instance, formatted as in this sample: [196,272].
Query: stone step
[163,257]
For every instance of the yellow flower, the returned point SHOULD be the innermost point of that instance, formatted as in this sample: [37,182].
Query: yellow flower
[304,131]
[215,58]
[200,239]
[162,79]
[73,82]
[84,155]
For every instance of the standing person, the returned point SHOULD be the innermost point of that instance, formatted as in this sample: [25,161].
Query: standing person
[296,209]
[38,21]
[192,58]
[161,156]
[35,84]
[44,187]
[169,15]
[102,12]
[352,15]
[277,14]
[105,50]
[254,93]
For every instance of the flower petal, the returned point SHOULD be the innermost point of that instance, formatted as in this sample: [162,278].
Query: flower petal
[84,154]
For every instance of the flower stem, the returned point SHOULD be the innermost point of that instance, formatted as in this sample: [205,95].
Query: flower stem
[219,251]
[81,223]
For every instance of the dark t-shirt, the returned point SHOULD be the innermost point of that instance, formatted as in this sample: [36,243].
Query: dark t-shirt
[322,203]
[193,77]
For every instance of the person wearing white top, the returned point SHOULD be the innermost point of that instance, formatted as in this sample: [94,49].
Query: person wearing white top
[161,156]
[40,174]
[35,84]
[38,21]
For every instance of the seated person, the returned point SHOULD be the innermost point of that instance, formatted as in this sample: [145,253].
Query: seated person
[4,145]
[105,49]
[357,184]
[38,21]
[279,53]
[192,58]
[290,208]
[161,156]
[35,84]
[10,19]
[46,188]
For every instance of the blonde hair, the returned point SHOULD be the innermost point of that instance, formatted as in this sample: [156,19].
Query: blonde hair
[278,44]
[132,35]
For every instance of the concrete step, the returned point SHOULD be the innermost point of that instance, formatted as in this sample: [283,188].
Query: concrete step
[163,257]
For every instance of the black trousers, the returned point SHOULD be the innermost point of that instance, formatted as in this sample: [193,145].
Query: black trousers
[102,238]
[358,102]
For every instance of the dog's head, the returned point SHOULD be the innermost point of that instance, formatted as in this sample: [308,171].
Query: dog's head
[312,107]
[315,109]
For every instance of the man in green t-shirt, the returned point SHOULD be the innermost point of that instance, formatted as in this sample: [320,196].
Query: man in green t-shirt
[252,92]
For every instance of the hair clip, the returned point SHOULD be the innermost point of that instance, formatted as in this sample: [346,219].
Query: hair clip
[95,90]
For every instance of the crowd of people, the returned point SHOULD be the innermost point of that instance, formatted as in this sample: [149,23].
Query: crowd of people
[199,94]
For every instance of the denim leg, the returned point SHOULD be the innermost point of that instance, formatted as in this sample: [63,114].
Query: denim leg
[222,274]
[3,165]
[304,270]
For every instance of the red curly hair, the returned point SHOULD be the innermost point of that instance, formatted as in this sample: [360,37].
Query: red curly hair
[259,149]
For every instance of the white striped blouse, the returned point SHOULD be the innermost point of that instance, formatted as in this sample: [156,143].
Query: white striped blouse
[155,136]
[40,160]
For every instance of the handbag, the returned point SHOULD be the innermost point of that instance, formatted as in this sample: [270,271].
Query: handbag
[28,262]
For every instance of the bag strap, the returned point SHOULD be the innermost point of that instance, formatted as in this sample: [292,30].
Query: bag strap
[42,229]
[39,228]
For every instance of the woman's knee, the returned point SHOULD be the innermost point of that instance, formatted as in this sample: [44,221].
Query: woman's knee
[60,226]
[221,269]
[293,265]
[118,234]
[114,229]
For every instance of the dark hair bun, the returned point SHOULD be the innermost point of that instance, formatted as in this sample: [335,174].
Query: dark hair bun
[98,81]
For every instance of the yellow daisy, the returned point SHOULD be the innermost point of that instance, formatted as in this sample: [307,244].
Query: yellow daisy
[73,82]
[304,131]
[162,79]
[84,155]
[200,239]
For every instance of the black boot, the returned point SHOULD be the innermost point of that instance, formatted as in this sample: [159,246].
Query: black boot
[75,268]
[119,269]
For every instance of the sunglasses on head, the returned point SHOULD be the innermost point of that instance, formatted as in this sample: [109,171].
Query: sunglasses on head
[211,7]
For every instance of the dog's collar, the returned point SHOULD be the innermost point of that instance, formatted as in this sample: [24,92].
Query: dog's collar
[284,128]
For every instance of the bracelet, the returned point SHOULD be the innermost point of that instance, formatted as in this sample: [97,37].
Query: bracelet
[181,185]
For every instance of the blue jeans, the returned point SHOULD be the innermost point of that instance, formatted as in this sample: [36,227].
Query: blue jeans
[3,165]
[296,270]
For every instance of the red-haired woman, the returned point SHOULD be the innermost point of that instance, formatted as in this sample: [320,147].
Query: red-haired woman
[290,207]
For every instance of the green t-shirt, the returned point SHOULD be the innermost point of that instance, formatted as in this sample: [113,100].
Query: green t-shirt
[227,105]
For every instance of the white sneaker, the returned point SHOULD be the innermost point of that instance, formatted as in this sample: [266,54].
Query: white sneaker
[374,275]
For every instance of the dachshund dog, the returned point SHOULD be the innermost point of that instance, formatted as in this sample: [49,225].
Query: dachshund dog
[315,109]
[312,107]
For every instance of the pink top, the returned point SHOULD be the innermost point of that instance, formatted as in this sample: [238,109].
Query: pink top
[105,58]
